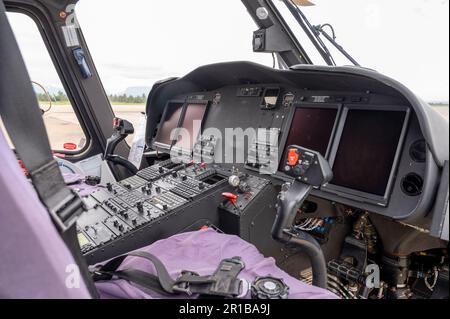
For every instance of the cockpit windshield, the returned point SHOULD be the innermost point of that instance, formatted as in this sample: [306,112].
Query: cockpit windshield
[381,35]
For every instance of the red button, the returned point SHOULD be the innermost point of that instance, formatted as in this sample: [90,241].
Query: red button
[293,157]
[70,146]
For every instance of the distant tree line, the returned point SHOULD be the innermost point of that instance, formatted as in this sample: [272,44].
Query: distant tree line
[58,97]
[114,98]
[439,103]
[123,98]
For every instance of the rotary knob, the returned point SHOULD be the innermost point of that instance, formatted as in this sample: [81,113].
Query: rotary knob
[269,288]
[234,181]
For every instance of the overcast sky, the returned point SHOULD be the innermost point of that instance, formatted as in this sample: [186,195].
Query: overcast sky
[135,42]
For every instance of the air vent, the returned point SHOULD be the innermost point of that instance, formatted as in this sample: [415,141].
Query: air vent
[412,184]
[418,151]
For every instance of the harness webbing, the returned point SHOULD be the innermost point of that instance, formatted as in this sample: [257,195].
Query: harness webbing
[223,283]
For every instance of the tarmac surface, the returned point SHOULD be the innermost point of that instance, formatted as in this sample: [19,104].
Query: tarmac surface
[63,126]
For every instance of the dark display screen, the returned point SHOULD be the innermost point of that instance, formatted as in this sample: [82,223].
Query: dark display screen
[192,125]
[169,123]
[367,150]
[312,128]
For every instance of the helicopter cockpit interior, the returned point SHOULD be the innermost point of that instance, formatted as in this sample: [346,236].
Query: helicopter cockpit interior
[330,171]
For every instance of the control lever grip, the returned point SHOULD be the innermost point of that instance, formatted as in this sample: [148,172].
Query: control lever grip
[122,128]
[309,169]
[289,201]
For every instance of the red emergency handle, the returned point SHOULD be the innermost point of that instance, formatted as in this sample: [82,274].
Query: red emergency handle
[230,197]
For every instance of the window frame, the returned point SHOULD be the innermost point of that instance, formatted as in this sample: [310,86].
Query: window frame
[41,25]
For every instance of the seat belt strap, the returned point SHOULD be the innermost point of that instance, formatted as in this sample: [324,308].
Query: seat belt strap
[141,278]
[223,283]
[109,270]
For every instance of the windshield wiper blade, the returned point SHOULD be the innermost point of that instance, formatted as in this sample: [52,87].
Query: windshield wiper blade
[332,40]
[310,31]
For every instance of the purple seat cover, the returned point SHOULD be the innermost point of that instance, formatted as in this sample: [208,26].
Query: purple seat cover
[202,251]
[33,257]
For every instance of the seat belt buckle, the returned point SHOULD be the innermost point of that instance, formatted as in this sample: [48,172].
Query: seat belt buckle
[185,287]
[66,213]
[227,283]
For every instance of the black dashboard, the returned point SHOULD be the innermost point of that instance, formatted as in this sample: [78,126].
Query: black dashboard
[373,141]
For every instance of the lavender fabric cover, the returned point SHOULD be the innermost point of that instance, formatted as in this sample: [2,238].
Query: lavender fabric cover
[202,251]
[33,257]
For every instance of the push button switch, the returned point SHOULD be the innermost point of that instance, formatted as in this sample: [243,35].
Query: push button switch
[292,157]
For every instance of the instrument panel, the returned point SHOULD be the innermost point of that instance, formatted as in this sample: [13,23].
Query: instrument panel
[367,138]
[227,128]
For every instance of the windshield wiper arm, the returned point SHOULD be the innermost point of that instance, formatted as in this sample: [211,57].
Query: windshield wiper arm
[332,39]
[310,31]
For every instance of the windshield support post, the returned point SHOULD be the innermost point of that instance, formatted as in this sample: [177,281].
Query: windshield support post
[292,52]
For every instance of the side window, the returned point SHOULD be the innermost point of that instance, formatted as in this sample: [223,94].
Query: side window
[63,128]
